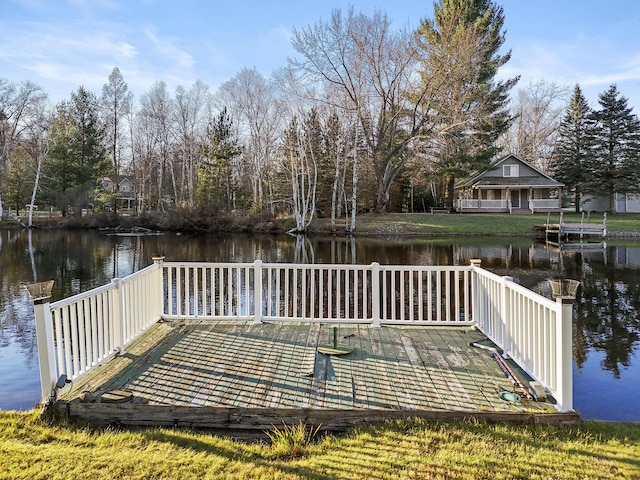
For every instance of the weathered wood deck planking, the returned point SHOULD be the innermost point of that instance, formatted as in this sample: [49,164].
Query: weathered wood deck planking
[218,367]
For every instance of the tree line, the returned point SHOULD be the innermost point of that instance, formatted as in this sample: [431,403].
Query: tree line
[364,118]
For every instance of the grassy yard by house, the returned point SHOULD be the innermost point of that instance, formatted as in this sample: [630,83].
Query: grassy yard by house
[31,449]
[475,224]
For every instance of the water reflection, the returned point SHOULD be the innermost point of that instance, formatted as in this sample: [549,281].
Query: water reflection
[607,310]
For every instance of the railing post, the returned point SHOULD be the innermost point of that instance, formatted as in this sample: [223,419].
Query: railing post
[475,296]
[564,353]
[158,288]
[505,308]
[119,314]
[44,337]
[564,291]
[257,291]
[375,293]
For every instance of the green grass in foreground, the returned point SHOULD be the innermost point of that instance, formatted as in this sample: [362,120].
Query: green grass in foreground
[473,224]
[30,449]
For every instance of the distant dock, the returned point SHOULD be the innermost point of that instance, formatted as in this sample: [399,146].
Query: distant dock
[583,233]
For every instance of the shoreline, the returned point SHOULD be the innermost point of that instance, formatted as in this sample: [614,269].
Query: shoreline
[619,226]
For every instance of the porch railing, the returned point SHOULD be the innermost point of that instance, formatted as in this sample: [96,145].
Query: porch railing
[78,333]
[470,203]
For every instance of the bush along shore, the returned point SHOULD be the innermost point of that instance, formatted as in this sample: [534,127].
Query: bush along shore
[185,221]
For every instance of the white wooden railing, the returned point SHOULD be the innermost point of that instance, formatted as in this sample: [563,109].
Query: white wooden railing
[373,293]
[474,203]
[534,331]
[78,333]
[92,326]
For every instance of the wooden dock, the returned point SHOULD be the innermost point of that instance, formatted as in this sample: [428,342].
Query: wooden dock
[582,233]
[247,377]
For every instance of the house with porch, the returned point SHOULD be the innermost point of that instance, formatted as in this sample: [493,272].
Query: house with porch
[122,187]
[509,185]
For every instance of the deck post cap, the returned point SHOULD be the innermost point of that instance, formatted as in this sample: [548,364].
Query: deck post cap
[564,289]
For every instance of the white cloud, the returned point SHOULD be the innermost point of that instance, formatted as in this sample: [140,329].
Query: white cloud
[166,47]
[594,62]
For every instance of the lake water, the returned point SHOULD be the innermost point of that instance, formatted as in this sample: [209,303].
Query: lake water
[606,314]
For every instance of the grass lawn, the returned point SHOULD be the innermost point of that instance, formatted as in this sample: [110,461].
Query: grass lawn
[474,224]
[31,449]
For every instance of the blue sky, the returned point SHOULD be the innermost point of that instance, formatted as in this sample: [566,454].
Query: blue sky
[62,44]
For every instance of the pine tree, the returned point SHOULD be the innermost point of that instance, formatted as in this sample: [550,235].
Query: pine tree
[217,188]
[460,49]
[571,151]
[614,166]
[78,157]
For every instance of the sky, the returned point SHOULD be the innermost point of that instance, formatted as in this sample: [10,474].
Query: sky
[62,44]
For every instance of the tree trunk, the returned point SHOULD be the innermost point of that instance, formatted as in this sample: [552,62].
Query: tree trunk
[334,192]
[36,182]
[354,193]
[451,182]
[382,198]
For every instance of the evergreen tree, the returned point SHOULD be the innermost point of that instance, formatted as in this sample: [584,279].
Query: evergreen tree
[78,157]
[614,166]
[460,50]
[18,179]
[571,151]
[216,186]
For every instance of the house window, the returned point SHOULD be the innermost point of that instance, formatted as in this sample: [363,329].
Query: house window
[510,170]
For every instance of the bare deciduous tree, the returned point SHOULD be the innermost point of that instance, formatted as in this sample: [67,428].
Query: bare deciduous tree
[190,119]
[255,109]
[38,149]
[154,121]
[538,112]
[116,102]
[20,107]
[372,69]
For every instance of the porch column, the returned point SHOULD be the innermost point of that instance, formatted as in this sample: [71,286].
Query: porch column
[560,198]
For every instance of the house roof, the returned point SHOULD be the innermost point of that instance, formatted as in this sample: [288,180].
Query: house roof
[480,180]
